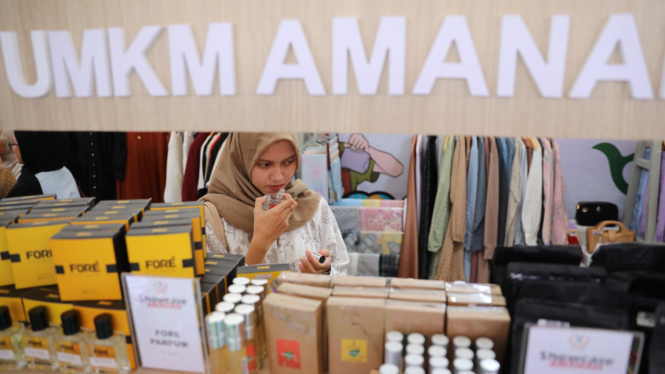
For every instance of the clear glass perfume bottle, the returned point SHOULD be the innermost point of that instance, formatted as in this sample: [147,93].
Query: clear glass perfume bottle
[72,345]
[39,341]
[273,200]
[108,352]
[12,356]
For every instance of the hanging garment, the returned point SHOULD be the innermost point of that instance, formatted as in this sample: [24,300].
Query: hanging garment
[529,154]
[209,160]
[191,176]
[548,191]
[477,241]
[524,172]
[471,197]
[145,169]
[533,198]
[504,189]
[347,217]
[354,258]
[660,221]
[368,265]
[419,152]
[451,262]
[214,155]
[203,162]
[387,243]
[559,216]
[388,265]
[187,140]
[640,198]
[429,187]
[408,264]
[441,207]
[515,197]
[173,190]
[491,211]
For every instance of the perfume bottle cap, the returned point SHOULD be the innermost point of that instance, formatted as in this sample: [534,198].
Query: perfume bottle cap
[237,288]
[103,326]
[250,299]
[255,290]
[232,297]
[70,322]
[249,313]
[259,282]
[38,318]
[243,281]
[224,307]
[5,318]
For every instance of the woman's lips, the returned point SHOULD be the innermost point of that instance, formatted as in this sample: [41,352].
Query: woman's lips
[276,188]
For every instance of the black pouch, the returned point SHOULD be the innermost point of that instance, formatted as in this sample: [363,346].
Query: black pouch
[622,257]
[591,213]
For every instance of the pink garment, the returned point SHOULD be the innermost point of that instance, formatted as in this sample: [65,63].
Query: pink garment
[381,219]
[559,215]
[548,190]
[392,203]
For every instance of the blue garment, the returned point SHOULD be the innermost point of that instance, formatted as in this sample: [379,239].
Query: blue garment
[471,192]
[477,241]
[60,182]
[638,208]
[349,202]
[510,147]
[336,177]
[468,257]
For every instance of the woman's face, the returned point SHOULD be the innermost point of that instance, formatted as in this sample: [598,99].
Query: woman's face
[275,168]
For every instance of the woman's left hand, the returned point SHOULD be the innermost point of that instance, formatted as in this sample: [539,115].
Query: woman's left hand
[309,264]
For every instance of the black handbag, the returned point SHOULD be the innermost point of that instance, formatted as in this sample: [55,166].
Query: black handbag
[591,213]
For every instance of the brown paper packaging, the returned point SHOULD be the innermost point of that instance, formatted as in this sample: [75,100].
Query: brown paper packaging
[486,288]
[418,295]
[314,280]
[476,321]
[464,299]
[369,292]
[408,317]
[417,284]
[354,281]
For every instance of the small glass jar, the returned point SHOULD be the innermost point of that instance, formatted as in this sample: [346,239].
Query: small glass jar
[39,341]
[12,356]
[72,345]
[108,352]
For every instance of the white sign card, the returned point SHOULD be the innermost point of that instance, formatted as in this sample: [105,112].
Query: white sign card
[552,350]
[166,322]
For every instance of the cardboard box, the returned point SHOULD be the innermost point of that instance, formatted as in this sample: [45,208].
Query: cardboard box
[237,259]
[432,296]
[354,281]
[23,208]
[108,210]
[220,284]
[11,215]
[226,266]
[192,214]
[144,203]
[461,287]
[89,201]
[97,226]
[209,296]
[80,209]
[88,310]
[264,271]
[476,322]
[48,217]
[314,280]
[365,292]
[95,218]
[30,252]
[198,245]
[355,334]
[31,197]
[422,317]
[13,299]
[167,251]
[464,299]
[6,273]
[49,298]
[417,284]
[88,264]
[183,205]
[294,330]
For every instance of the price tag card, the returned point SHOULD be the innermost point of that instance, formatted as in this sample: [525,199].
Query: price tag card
[553,350]
[166,322]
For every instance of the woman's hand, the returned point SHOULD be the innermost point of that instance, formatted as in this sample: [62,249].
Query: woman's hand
[309,264]
[268,226]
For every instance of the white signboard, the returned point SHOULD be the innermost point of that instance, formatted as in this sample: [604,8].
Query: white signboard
[166,322]
[574,350]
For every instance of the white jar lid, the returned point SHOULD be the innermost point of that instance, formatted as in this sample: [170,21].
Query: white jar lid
[484,343]
[388,369]
[485,354]
[438,362]
[462,364]
[416,338]
[243,281]
[436,351]
[394,336]
[415,349]
[394,347]
[414,360]
[490,366]
[461,342]
[464,353]
[440,339]
[440,371]
[414,370]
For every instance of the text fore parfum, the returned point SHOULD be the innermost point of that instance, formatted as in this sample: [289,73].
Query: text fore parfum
[12,356]
[72,345]
[39,341]
[108,352]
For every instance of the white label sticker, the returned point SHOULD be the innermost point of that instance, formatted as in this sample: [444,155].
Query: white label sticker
[6,354]
[37,353]
[103,362]
[70,358]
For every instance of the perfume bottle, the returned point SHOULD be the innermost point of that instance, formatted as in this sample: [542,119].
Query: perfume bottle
[252,346]
[108,352]
[72,345]
[217,343]
[39,341]
[273,200]
[235,340]
[12,356]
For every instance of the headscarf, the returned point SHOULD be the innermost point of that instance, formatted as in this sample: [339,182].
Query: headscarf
[231,189]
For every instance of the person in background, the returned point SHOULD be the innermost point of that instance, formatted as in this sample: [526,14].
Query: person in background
[9,158]
[43,155]
[7,180]
[252,166]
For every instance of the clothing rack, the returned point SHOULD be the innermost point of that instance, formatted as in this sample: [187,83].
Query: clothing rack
[653,167]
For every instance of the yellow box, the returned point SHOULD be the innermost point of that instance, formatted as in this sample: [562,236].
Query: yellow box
[6,273]
[89,201]
[167,251]
[80,209]
[136,210]
[191,213]
[49,298]
[88,310]
[198,248]
[183,205]
[30,252]
[144,203]
[88,264]
[48,217]
[24,208]
[11,215]
[13,299]
[31,197]
[269,272]
[94,219]
[97,226]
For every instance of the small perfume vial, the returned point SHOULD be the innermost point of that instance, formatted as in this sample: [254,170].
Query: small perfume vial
[12,356]
[318,257]
[72,345]
[273,200]
[39,341]
[108,352]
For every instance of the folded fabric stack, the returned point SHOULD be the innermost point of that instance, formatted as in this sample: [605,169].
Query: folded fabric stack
[372,232]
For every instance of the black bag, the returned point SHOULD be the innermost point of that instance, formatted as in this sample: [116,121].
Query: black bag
[621,257]
[591,213]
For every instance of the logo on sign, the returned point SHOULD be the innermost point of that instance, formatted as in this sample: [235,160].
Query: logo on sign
[160,287]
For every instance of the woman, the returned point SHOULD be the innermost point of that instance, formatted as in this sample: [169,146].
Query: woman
[253,165]
[43,155]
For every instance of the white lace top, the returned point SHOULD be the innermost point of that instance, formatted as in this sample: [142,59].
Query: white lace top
[319,233]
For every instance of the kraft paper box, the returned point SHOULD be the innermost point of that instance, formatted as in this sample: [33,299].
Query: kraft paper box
[209,297]
[199,246]
[97,226]
[314,280]
[6,273]
[354,281]
[371,292]
[417,284]
[294,330]
[48,217]
[167,251]
[30,253]
[433,296]
[422,317]
[13,299]
[463,299]
[88,264]
[264,271]
[95,218]
[50,299]
[88,310]
[476,322]
[356,328]
[461,287]
[31,197]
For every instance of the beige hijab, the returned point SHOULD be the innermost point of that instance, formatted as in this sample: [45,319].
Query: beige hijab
[231,189]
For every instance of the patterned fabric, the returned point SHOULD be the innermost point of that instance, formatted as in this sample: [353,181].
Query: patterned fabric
[548,191]
[354,258]
[320,233]
[639,208]
[348,202]
[368,265]
[386,243]
[381,219]
[348,218]
[388,265]
[559,216]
